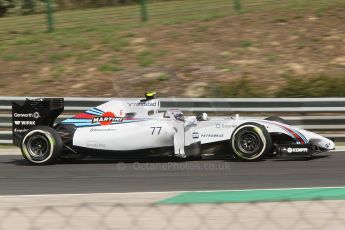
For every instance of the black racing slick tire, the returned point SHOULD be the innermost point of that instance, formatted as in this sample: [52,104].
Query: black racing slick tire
[277,119]
[42,145]
[251,142]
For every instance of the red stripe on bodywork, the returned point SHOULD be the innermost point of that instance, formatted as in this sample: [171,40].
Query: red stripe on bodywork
[295,135]
[84,116]
[298,137]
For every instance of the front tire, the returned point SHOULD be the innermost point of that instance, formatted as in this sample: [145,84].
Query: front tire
[251,142]
[42,145]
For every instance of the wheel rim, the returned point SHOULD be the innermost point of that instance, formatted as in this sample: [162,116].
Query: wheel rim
[249,142]
[38,147]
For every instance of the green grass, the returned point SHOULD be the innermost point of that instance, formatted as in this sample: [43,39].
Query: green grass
[202,28]
[83,44]
[167,12]
[272,57]
[119,44]
[246,43]
[108,68]
[26,40]
[161,53]
[111,66]
[319,86]
[174,34]
[58,71]
[145,58]
[87,56]
[88,36]
[126,17]
[164,77]
[9,57]
[240,88]
[58,56]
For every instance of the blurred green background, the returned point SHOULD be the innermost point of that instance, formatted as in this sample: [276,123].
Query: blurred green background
[189,48]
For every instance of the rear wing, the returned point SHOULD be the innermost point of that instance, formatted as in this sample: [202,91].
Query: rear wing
[42,111]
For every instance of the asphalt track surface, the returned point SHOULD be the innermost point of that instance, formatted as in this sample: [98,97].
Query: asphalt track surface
[112,176]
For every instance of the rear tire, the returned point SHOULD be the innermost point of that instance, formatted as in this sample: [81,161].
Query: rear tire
[42,145]
[251,142]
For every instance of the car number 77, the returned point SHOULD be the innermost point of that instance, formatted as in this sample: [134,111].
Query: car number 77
[158,128]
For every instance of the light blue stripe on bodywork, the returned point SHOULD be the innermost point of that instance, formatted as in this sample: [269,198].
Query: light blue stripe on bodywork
[301,135]
[290,134]
[94,112]
[98,110]
[72,120]
[87,122]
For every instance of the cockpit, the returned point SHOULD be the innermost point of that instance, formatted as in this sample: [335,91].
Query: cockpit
[174,113]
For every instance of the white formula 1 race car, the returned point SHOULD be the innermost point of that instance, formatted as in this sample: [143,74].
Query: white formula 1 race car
[129,126]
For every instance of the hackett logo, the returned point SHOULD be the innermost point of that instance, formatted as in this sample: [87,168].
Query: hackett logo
[106,119]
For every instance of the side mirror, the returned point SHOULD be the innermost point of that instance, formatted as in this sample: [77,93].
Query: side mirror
[202,117]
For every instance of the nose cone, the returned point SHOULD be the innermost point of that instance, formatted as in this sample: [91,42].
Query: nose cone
[327,144]
[323,143]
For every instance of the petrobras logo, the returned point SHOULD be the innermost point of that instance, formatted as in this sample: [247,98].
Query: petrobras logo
[195,135]
[142,103]
[213,135]
[297,150]
[35,115]
[25,122]
[106,119]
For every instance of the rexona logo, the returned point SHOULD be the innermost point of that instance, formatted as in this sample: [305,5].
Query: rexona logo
[25,122]
[107,118]
[297,150]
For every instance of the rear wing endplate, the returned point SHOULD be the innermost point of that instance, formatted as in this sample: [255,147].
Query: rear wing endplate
[42,111]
